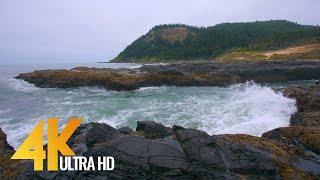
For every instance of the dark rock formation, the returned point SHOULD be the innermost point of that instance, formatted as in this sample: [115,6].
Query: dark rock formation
[303,144]
[182,74]
[153,130]
[5,148]
[213,157]
[126,130]
[190,154]
[140,157]
[308,104]
[86,136]
[10,169]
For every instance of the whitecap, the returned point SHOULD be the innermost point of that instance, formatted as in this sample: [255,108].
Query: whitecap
[21,85]
[151,88]
[243,108]
[249,109]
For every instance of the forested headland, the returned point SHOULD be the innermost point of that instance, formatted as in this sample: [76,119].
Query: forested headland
[182,42]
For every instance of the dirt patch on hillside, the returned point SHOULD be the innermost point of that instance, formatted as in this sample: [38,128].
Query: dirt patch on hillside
[294,50]
[306,51]
[170,34]
[174,34]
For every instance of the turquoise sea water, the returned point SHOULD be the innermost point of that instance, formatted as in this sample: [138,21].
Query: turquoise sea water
[242,108]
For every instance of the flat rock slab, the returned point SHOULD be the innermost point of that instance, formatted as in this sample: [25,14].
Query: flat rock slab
[181,74]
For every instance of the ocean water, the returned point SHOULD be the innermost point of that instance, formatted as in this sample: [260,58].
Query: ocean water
[241,108]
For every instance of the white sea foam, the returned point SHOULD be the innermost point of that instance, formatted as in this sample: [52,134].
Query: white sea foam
[17,132]
[85,91]
[252,109]
[70,103]
[4,111]
[244,108]
[151,88]
[21,85]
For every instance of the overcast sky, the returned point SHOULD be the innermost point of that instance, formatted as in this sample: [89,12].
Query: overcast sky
[43,31]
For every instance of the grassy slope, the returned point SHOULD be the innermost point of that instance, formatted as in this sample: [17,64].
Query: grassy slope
[302,51]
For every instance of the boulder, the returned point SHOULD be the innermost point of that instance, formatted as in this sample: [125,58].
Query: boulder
[214,157]
[141,158]
[153,130]
[126,130]
[87,135]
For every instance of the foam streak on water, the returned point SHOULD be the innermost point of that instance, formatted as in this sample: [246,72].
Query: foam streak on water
[243,108]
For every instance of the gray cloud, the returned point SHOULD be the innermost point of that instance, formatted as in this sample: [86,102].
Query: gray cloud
[97,30]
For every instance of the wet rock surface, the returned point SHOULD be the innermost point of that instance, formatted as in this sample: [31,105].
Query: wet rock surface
[153,130]
[154,151]
[10,169]
[308,104]
[181,74]
[4,146]
[303,145]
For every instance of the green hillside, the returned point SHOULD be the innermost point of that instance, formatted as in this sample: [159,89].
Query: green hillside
[182,42]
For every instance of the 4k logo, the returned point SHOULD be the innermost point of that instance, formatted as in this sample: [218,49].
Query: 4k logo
[32,147]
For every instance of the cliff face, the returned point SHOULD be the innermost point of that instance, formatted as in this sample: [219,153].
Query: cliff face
[165,43]
[154,151]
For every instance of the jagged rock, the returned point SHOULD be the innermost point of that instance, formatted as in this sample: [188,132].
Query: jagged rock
[186,154]
[153,130]
[90,134]
[306,119]
[308,97]
[126,130]
[302,140]
[10,169]
[5,148]
[140,158]
[302,143]
[308,104]
[216,157]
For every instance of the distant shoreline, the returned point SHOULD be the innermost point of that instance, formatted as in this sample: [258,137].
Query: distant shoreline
[176,74]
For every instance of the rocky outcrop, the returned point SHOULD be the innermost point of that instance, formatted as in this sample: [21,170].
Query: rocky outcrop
[10,169]
[153,130]
[181,153]
[154,151]
[5,148]
[308,104]
[303,145]
[181,74]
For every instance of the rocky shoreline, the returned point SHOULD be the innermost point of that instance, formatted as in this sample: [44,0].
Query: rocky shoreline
[180,74]
[154,151]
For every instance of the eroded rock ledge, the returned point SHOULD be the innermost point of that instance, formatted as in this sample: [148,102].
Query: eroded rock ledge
[182,74]
[154,151]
